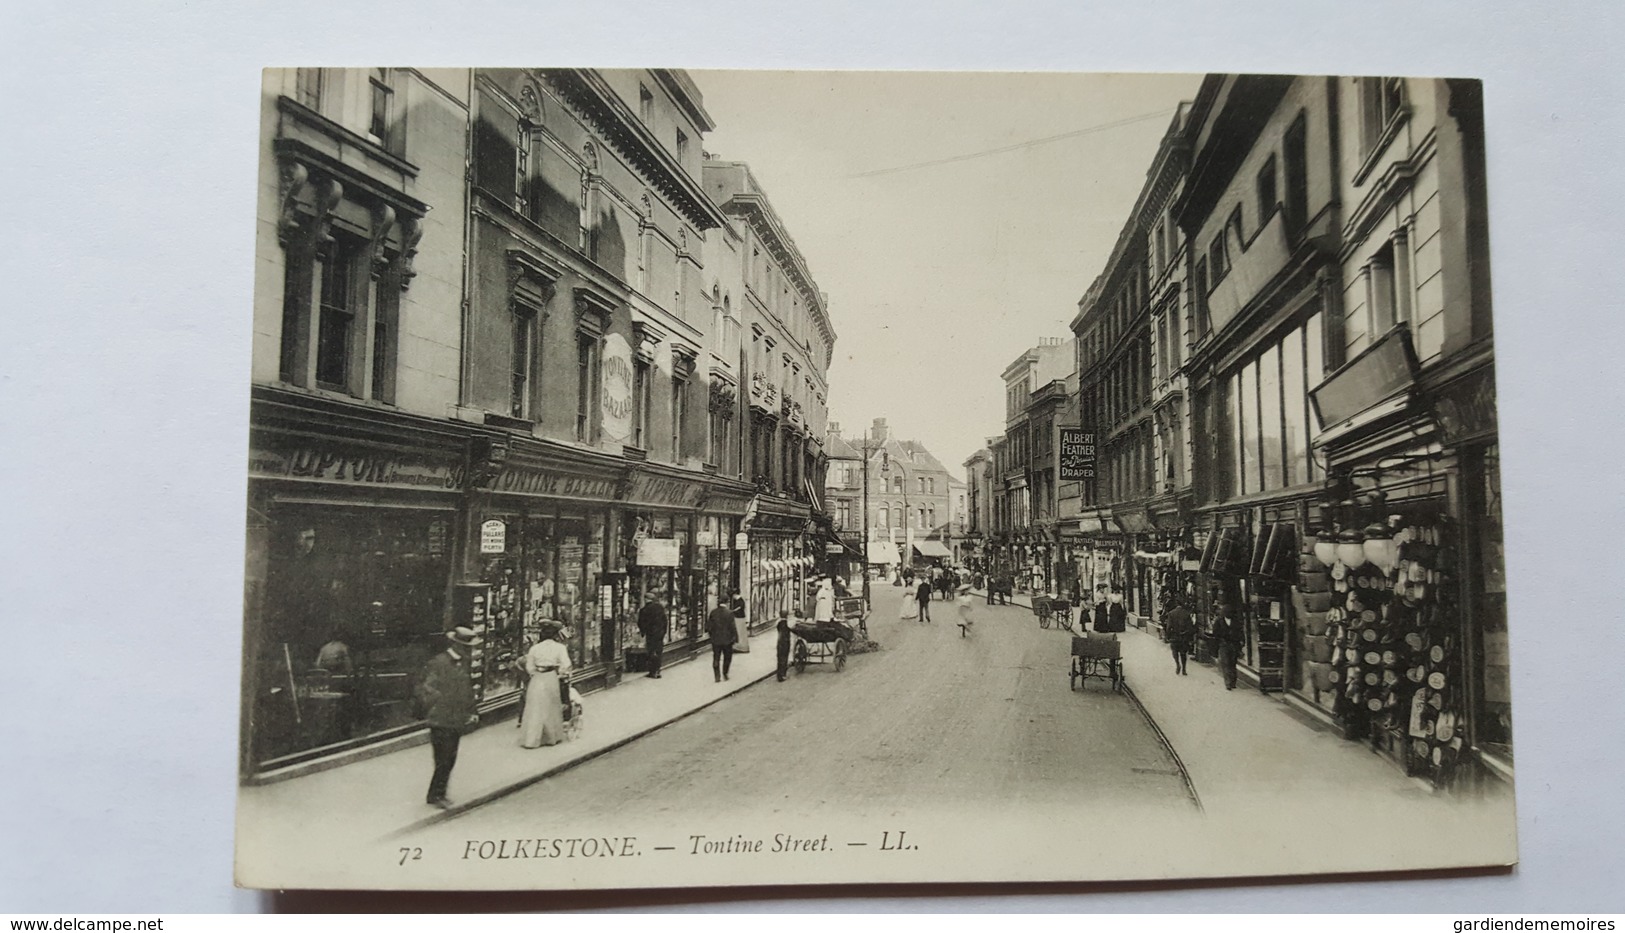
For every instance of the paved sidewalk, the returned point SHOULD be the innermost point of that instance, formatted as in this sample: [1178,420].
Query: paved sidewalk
[1241,746]
[384,795]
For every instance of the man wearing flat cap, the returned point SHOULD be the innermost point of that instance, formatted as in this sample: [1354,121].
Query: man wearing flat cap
[445,696]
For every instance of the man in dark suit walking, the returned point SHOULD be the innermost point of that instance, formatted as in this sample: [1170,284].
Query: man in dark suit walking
[445,696]
[922,595]
[653,624]
[1230,638]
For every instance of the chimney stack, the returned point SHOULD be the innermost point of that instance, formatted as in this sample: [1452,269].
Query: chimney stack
[880,432]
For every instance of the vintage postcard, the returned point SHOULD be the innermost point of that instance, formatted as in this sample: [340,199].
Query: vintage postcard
[666,478]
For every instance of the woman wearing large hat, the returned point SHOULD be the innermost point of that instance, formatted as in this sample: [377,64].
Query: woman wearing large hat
[548,664]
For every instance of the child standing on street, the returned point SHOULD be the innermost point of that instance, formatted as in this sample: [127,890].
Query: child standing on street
[783,647]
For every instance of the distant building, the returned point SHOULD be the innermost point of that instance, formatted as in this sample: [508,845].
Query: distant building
[911,500]
[1036,405]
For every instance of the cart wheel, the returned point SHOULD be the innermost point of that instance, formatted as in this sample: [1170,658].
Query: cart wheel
[1072,676]
[840,655]
[801,658]
[1043,621]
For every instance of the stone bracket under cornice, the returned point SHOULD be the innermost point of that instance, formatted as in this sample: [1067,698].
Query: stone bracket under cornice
[624,130]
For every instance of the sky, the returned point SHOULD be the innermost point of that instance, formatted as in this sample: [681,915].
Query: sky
[940,275]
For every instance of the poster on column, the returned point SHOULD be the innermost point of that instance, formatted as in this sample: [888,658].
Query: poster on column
[977,740]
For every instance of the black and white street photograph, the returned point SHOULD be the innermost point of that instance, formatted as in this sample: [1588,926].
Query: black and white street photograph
[1037,465]
[662,478]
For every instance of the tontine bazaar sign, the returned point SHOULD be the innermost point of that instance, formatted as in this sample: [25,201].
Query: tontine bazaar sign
[533,482]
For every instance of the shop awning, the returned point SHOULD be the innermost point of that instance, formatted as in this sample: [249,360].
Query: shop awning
[932,549]
[882,552]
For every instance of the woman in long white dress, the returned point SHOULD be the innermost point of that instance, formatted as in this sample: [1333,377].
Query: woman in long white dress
[824,601]
[547,662]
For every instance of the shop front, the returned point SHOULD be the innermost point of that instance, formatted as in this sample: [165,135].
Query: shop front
[1167,560]
[541,550]
[1133,577]
[780,560]
[353,522]
[1411,547]
[1249,563]
[676,553]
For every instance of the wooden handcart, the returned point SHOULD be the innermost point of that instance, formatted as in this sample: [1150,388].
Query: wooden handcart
[817,642]
[1056,611]
[1098,656]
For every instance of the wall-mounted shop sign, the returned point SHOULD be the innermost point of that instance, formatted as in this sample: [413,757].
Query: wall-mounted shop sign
[1465,409]
[493,537]
[1077,454]
[648,489]
[722,504]
[659,552]
[1383,371]
[528,481]
[1134,521]
[616,401]
[741,542]
[335,463]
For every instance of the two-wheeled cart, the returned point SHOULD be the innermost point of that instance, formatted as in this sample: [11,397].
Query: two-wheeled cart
[1098,656]
[818,642]
[853,611]
[1052,611]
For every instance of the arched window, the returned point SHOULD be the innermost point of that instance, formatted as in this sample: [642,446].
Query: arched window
[885,517]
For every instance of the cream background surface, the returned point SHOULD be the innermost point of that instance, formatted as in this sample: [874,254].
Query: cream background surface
[124,349]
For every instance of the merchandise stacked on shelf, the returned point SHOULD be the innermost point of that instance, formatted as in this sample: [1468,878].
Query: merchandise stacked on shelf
[1312,600]
[1270,570]
[1387,638]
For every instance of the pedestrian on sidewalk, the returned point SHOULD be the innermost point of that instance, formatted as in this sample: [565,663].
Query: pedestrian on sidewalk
[445,699]
[923,597]
[824,601]
[652,623]
[782,650]
[548,664]
[1228,633]
[1181,632]
[724,634]
[1103,609]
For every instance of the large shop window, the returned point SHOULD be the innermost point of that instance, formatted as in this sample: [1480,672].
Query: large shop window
[778,578]
[1267,415]
[353,607]
[682,560]
[549,569]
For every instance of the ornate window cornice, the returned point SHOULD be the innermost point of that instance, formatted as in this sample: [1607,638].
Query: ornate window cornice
[593,311]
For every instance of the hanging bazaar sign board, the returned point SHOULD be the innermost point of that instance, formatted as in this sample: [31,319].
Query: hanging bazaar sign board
[1077,456]
[616,403]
